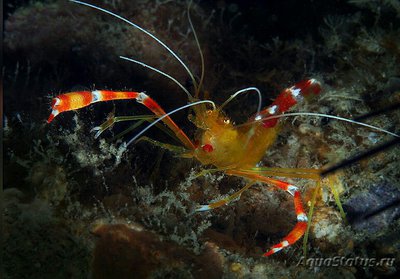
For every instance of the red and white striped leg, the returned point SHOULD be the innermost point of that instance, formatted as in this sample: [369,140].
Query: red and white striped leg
[77,100]
[298,230]
[301,226]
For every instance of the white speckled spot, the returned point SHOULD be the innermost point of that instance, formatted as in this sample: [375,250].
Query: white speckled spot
[57,102]
[277,249]
[141,97]
[302,217]
[285,243]
[258,117]
[273,109]
[292,189]
[203,208]
[296,94]
[96,96]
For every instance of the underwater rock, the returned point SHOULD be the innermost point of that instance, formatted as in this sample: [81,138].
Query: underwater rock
[328,230]
[37,244]
[126,251]
[375,209]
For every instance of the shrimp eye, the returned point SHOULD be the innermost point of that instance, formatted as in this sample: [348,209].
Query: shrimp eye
[227,121]
[207,148]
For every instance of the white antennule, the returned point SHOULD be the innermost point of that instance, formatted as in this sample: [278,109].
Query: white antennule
[198,47]
[141,29]
[242,91]
[327,116]
[168,114]
[158,71]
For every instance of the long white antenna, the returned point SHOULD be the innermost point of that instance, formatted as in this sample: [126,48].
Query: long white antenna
[327,116]
[141,29]
[168,114]
[242,91]
[158,71]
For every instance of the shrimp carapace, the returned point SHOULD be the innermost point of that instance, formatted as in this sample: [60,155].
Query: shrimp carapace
[224,145]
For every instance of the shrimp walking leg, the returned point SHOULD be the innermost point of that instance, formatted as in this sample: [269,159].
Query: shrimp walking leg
[170,147]
[115,119]
[224,201]
[289,172]
[301,226]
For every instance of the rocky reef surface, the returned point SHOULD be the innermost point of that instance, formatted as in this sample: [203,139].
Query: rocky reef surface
[79,207]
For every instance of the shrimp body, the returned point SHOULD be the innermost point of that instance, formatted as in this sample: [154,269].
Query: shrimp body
[233,149]
[221,144]
[224,145]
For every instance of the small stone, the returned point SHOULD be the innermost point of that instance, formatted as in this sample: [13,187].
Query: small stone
[236,267]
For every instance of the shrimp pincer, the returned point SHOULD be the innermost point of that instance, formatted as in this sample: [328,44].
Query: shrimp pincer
[80,99]
[76,100]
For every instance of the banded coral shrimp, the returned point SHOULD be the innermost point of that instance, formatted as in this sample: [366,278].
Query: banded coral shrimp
[220,144]
[206,199]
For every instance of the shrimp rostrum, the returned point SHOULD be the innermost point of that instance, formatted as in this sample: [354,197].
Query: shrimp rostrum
[233,149]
